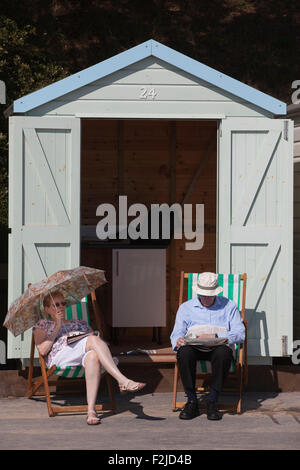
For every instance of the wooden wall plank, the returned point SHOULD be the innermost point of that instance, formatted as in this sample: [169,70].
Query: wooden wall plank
[152,109]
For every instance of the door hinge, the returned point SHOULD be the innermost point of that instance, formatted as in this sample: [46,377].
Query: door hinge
[284,345]
[220,129]
[285,130]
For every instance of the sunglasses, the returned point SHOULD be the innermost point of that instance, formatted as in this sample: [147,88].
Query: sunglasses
[63,304]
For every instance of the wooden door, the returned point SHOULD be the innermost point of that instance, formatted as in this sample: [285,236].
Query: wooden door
[44,205]
[255,225]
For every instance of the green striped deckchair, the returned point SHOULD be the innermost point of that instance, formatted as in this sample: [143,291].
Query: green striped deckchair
[234,288]
[231,284]
[69,373]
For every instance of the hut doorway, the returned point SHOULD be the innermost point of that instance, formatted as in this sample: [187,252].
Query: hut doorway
[151,162]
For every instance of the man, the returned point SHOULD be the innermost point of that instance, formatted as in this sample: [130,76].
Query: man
[206,309]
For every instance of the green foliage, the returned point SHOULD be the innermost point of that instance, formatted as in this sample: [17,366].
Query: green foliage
[22,66]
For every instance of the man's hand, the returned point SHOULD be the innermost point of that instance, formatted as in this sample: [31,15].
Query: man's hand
[180,342]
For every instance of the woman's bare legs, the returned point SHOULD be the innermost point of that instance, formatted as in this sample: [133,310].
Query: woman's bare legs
[92,378]
[104,355]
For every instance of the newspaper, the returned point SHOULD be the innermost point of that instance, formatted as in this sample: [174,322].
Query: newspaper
[138,351]
[192,333]
[77,335]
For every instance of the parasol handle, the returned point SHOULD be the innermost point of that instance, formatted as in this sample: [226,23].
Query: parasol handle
[87,281]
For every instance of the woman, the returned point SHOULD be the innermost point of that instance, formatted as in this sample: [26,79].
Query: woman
[90,352]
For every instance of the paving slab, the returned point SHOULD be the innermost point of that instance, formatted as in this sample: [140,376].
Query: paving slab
[147,422]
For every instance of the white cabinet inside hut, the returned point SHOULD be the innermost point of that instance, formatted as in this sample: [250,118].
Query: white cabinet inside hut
[139,288]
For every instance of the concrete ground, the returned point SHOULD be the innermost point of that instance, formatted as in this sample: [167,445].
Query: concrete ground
[269,421]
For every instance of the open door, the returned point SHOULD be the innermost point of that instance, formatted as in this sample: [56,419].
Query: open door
[44,205]
[255,218]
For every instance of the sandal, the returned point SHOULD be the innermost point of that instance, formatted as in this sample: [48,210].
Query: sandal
[131,386]
[92,415]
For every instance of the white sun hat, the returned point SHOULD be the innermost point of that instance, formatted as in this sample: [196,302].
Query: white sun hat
[207,284]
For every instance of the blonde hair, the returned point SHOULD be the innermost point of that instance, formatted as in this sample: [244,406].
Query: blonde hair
[48,298]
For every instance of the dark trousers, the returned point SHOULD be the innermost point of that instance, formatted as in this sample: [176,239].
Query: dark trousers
[220,357]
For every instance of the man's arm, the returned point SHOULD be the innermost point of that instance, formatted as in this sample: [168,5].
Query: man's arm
[180,328]
[236,331]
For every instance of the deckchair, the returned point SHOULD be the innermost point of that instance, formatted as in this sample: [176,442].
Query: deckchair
[68,375]
[234,288]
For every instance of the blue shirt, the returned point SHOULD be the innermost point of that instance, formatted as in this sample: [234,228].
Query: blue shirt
[223,312]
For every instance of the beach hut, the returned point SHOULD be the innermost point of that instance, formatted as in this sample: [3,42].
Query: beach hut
[157,127]
[293,112]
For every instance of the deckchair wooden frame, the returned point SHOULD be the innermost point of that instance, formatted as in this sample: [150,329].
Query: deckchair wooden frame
[33,385]
[241,364]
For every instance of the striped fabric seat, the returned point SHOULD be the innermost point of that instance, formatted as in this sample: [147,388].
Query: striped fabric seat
[77,371]
[77,312]
[231,284]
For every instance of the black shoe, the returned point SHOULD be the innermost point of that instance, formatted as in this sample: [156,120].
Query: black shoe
[212,411]
[190,410]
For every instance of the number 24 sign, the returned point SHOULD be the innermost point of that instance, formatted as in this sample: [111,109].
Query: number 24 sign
[147,93]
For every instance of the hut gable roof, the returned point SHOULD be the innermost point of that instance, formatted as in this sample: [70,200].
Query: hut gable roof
[138,53]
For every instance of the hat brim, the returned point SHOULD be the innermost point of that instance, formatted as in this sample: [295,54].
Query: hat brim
[208,292]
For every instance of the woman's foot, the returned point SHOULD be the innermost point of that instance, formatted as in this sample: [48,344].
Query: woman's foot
[92,418]
[131,386]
